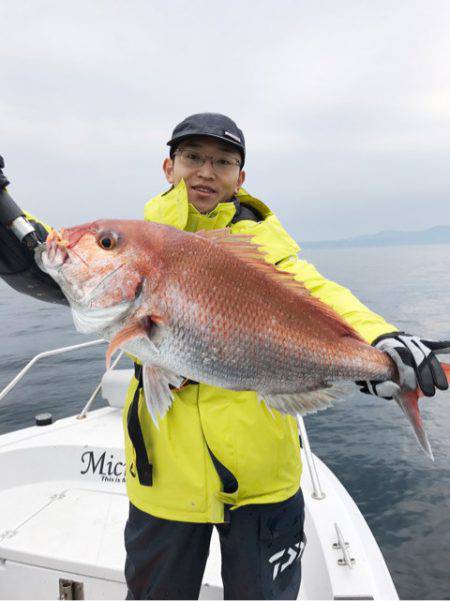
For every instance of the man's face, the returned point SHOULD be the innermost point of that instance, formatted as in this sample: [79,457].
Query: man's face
[205,187]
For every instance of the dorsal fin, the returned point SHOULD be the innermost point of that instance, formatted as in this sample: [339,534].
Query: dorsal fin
[241,246]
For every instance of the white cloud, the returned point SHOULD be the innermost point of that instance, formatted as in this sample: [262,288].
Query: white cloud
[343,104]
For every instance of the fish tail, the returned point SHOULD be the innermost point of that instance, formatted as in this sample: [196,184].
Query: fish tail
[409,403]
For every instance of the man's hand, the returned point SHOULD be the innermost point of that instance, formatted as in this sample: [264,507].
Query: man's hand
[416,362]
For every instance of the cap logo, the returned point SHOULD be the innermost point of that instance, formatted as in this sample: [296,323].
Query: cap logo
[230,135]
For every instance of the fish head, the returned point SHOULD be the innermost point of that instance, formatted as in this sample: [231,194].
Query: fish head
[99,265]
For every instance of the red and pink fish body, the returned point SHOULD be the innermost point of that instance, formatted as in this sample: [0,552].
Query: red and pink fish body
[207,306]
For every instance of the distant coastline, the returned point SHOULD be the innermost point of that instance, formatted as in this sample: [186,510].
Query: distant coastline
[439,234]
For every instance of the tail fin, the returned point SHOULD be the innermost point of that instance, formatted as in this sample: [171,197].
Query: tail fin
[408,401]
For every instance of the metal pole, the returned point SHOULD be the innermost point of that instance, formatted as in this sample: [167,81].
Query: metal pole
[317,488]
[57,351]
[97,390]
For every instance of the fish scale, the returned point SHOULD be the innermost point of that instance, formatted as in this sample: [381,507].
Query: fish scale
[207,306]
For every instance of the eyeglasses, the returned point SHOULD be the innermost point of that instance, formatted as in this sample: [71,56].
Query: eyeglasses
[194,160]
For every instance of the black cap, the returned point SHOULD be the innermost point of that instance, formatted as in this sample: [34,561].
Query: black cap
[213,125]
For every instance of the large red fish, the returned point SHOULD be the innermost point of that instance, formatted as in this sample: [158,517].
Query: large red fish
[207,306]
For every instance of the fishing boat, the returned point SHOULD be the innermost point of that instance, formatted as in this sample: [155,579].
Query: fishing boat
[64,506]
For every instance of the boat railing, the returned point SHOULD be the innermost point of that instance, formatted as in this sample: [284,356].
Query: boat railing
[59,351]
[98,388]
[317,488]
[317,493]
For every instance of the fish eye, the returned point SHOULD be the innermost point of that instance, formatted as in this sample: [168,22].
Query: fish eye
[107,240]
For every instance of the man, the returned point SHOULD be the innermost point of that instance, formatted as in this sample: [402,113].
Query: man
[219,457]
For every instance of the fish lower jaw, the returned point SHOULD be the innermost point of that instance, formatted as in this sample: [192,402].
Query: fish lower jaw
[104,322]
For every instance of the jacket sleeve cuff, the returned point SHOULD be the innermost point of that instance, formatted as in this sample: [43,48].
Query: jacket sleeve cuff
[386,335]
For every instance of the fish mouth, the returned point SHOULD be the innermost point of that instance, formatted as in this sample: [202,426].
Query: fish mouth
[50,261]
[38,252]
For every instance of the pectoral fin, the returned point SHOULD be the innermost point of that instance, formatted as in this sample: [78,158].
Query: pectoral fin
[137,329]
[157,392]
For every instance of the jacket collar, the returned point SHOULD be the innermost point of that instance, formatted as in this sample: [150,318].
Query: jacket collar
[173,208]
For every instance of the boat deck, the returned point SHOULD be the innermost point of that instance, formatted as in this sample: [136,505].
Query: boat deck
[64,508]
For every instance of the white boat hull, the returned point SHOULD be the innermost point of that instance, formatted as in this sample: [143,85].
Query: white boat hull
[64,507]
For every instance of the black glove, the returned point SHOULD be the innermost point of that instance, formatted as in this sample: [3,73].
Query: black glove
[416,362]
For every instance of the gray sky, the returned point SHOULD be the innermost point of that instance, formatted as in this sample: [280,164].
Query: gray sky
[345,105]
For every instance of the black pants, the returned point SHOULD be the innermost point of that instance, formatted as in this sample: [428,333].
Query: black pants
[261,548]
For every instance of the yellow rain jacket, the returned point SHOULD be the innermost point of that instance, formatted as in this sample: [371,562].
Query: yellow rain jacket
[259,450]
